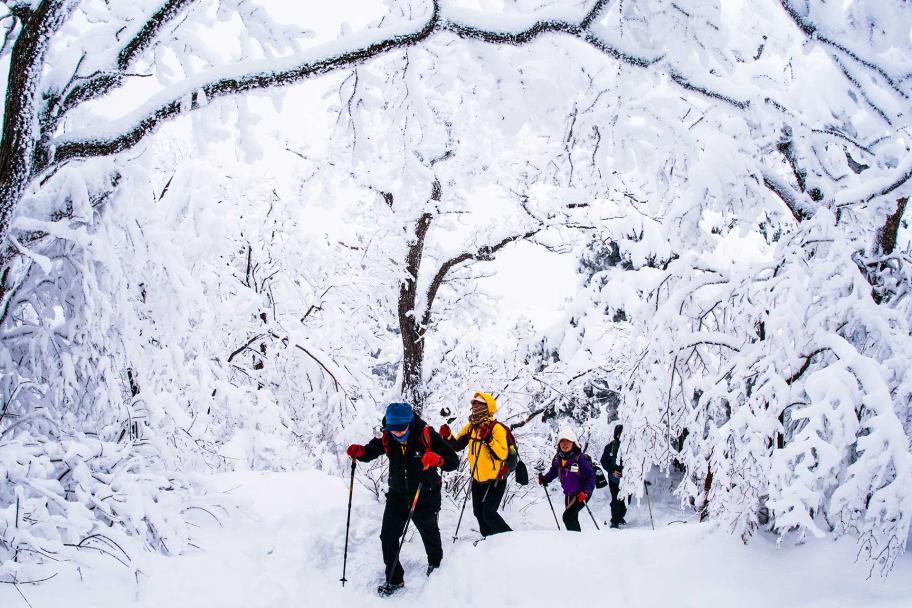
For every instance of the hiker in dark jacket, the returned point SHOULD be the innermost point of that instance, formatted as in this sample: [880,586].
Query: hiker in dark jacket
[614,469]
[415,452]
[577,477]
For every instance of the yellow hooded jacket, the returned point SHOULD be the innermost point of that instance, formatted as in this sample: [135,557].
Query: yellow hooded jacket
[490,457]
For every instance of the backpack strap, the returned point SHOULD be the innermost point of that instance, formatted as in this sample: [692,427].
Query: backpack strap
[426,438]
[511,440]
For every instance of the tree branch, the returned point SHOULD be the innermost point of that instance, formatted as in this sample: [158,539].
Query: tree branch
[785,195]
[101,83]
[485,253]
[889,232]
[74,146]
[189,99]
[812,31]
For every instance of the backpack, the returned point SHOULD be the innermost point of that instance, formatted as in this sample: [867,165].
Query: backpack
[513,463]
[600,480]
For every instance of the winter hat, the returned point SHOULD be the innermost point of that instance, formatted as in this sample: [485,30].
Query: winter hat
[567,433]
[483,408]
[398,416]
[618,430]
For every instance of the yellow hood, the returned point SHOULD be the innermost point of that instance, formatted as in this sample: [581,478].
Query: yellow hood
[489,399]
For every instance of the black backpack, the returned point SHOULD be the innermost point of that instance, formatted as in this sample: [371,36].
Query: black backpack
[600,480]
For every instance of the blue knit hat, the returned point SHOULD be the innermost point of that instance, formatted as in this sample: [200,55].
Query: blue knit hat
[398,416]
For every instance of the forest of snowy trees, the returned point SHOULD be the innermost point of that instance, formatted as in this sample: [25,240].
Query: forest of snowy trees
[187,287]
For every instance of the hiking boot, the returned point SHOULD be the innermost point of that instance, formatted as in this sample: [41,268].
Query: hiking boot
[431,569]
[387,589]
[614,525]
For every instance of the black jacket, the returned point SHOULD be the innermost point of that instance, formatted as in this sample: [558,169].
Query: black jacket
[405,459]
[610,460]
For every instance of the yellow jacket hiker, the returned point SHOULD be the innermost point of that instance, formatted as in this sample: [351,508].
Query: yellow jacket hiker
[488,450]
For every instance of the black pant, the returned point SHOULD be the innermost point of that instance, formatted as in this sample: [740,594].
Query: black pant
[425,520]
[486,497]
[618,507]
[571,513]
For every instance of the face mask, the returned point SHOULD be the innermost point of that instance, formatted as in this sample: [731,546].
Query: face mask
[404,438]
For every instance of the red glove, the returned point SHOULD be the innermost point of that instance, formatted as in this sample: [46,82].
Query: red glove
[541,480]
[581,498]
[430,459]
[355,451]
[445,431]
[484,432]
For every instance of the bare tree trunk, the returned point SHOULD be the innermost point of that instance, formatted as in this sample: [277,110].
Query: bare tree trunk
[411,330]
[707,486]
[413,324]
[21,125]
[886,240]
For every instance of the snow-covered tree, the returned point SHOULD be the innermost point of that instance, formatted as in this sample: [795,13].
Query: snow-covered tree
[749,174]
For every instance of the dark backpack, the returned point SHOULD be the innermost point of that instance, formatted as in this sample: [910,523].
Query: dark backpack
[600,480]
[512,459]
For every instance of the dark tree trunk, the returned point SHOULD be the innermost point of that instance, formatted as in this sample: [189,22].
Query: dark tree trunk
[707,487]
[414,323]
[886,240]
[21,107]
[411,329]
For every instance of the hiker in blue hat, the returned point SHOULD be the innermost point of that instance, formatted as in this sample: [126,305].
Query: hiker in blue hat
[415,452]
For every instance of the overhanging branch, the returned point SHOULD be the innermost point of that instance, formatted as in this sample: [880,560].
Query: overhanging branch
[786,196]
[102,83]
[189,98]
[485,253]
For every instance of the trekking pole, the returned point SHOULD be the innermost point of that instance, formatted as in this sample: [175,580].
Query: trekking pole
[649,502]
[351,487]
[592,516]
[550,504]
[540,467]
[466,499]
[392,568]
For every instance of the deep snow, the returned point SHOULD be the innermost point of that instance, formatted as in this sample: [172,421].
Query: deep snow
[286,551]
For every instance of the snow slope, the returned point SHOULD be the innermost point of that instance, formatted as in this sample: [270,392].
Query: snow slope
[287,552]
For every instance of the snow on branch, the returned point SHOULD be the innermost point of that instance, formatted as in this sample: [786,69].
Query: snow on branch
[102,83]
[194,94]
[485,253]
[813,31]
[351,51]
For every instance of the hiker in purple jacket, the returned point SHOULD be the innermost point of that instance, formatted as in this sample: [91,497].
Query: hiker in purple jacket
[577,477]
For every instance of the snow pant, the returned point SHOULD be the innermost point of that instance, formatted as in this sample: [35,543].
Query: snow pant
[618,506]
[424,518]
[572,509]
[486,497]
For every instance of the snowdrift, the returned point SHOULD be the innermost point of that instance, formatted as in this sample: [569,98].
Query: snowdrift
[287,551]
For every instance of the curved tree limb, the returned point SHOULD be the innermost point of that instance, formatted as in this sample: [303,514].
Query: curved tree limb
[485,253]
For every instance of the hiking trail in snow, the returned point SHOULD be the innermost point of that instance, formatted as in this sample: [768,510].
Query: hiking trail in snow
[286,551]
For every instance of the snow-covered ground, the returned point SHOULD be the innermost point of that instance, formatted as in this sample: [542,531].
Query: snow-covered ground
[287,551]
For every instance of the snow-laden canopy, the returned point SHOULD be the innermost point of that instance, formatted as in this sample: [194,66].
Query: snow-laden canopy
[733,177]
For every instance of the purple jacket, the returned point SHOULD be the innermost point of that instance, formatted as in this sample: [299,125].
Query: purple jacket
[576,474]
